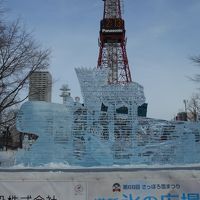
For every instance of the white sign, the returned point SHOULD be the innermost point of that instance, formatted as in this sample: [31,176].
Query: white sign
[42,190]
[86,185]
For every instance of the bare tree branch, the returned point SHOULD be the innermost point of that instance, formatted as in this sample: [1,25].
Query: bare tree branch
[193,107]
[196,60]
[20,56]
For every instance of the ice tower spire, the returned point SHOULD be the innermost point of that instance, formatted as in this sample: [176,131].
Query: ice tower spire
[112,44]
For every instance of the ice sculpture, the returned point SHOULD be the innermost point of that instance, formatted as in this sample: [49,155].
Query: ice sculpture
[105,129]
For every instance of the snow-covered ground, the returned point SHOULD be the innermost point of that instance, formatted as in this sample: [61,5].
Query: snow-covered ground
[65,166]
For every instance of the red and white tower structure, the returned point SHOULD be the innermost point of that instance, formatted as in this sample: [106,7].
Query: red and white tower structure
[112,44]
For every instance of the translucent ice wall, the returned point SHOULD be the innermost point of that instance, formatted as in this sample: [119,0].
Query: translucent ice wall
[105,130]
[52,123]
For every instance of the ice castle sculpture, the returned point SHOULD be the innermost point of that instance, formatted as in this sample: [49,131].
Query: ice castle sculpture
[105,130]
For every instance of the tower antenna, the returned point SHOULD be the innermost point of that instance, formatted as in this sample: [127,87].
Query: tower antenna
[112,43]
[65,92]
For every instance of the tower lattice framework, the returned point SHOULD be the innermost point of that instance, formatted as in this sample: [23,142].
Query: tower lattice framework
[112,44]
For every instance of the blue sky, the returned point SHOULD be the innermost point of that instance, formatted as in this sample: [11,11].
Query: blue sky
[162,35]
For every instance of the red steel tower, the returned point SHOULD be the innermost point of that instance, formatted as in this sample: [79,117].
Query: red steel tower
[112,44]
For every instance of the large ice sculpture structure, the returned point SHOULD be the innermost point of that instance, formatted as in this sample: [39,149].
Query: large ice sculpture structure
[106,129]
[52,123]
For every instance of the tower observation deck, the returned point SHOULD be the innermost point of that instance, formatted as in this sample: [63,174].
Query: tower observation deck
[112,44]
